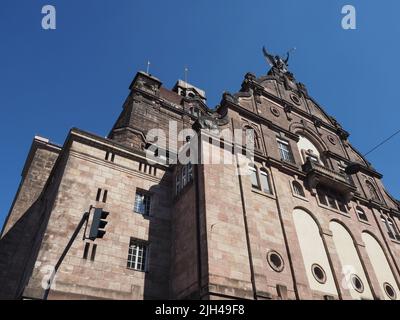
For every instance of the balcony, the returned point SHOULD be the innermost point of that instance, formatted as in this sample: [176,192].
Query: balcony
[318,174]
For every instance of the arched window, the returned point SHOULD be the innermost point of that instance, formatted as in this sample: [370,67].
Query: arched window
[390,227]
[264,179]
[372,191]
[361,214]
[393,228]
[356,279]
[251,137]
[381,267]
[298,189]
[316,262]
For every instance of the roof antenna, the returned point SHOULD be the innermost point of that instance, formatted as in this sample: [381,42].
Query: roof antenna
[148,67]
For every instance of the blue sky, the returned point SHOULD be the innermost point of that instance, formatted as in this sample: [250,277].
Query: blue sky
[78,75]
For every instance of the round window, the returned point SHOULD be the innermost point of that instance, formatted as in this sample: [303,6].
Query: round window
[295,99]
[390,292]
[275,111]
[357,283]
[331,139]
[318,273]
[275,261]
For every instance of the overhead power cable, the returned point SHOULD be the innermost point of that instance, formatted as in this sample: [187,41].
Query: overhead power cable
[383,142]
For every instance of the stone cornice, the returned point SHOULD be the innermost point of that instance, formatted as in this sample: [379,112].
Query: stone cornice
[79,135]
[253,116]
[282,102]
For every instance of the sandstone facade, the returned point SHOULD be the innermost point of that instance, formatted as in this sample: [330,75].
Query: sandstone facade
[298,227]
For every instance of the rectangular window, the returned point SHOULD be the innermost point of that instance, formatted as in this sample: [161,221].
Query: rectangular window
[93,255]
[86,250]
[253,176]
[331,201]
[361,214]
[341,206]
[105,194]
[264,182]
[110,156]
[137,255]
[142,203]
[389,231]
[284,151]
[322,198]
[98,194]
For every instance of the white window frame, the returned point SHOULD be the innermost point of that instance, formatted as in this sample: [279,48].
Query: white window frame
[285,154]
[253,173]
[134,255]
[265,174]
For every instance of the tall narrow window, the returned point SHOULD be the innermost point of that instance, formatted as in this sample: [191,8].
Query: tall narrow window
[387,226]
[137,255]
[253,176]
[105,194]
[86,250]
[372,191]
[110,156]
[251,138]
[99,194]
[361,214]
[341,205]
[184,177]
[298,189]
[331,201]
[322,197]
[264,179]
[142,203]
[393,228]
[284,151]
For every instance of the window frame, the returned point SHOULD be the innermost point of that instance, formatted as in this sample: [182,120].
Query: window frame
[359,210]
[264,173]
[183,177]
[146,204]
[300,190]
[337,199]
[290,157]
[132,264]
